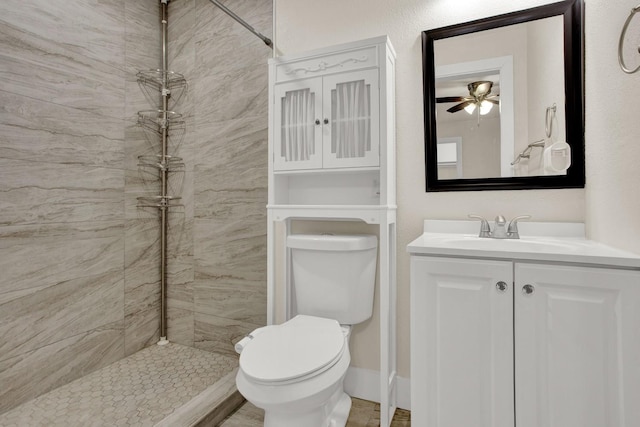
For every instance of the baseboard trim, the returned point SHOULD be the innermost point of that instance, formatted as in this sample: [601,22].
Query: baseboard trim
[365,384]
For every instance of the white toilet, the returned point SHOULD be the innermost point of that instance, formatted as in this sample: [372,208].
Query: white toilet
[295,371]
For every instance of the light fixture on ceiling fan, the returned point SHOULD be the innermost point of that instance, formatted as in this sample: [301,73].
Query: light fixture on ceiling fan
[479,97]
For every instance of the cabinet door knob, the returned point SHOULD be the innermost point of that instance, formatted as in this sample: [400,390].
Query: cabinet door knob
[317,121]
[528,289]
[502,286]
[326,121]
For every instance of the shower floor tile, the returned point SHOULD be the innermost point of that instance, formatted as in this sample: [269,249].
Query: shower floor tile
[140,390]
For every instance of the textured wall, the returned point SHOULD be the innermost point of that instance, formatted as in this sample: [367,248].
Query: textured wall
[612,126]
[217,292]
[67,300]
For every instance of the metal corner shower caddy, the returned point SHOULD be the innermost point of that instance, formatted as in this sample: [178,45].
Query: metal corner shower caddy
[158,123]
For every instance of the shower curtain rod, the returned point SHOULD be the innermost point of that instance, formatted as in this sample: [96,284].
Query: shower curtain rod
[242,22]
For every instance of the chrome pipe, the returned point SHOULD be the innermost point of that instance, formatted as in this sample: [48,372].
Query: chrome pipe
[164,176]
[242,22]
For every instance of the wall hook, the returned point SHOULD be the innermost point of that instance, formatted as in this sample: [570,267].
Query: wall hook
[621,42]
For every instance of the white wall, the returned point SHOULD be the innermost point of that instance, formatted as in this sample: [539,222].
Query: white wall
[612,208]
[612,127]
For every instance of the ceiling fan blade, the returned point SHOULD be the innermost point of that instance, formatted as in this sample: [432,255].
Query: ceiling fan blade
[459,107]
[493,101]
[450,99]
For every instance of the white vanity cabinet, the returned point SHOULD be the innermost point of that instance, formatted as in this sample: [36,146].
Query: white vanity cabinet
[500,343]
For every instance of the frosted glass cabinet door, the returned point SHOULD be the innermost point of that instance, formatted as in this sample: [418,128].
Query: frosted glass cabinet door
[351,116]
[298,125]
[577,347]
[461,343]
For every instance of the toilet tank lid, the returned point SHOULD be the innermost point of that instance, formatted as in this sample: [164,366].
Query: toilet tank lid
[332,242]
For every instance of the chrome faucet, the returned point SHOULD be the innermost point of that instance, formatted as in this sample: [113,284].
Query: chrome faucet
[500,230]
[485,229]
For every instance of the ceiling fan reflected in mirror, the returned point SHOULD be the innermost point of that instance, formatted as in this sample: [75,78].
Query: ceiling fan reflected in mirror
[479,97]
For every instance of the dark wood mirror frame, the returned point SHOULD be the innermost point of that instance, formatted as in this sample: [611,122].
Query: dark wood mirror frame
[572,12]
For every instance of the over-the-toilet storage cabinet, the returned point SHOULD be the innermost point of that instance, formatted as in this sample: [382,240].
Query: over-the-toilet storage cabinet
[499,343]
[332,157]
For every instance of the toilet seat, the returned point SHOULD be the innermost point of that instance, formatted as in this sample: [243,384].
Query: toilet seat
[297,349]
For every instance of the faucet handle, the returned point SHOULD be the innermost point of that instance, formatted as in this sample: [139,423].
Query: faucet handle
[512,229]
[485,228]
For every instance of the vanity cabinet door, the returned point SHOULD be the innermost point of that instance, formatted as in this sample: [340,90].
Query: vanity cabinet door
[461,342]
[298,125]
[577,352]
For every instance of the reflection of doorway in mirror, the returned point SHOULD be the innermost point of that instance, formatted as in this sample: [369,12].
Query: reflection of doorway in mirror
[450,158]
[492,154]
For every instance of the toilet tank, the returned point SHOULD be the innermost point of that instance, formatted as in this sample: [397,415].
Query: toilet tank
[334,275]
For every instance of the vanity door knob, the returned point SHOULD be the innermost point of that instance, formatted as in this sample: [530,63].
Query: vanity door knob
[528,289]
[502,286]
[317,121]
[326,121]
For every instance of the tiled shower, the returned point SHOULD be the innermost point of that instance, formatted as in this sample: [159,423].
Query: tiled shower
[79,288]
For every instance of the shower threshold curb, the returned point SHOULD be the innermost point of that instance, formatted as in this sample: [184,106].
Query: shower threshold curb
[210,407]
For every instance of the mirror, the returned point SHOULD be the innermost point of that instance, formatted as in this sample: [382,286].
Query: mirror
[503,101]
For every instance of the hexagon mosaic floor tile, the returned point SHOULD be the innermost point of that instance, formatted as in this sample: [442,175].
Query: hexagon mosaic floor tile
[140,390]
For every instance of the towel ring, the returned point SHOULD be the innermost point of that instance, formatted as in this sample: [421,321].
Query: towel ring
[621,42]
[548,119]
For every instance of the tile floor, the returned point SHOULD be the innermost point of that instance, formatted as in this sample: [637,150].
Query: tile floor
[363,414]
[140,390]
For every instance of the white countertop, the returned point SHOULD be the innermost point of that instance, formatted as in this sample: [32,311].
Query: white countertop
[552,242]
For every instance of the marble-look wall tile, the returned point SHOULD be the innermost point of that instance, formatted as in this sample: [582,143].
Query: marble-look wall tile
[237,93]
[58,280]
[40,131]
[142,241]
[231,63]
[180,325]
[218,334]
[35,192]
[229,155]
[230,269]
[30,374]
[41,263]
[27,235]
[232,246]
[142,283]
[49,314]
[69,99]
[223,44]
[80,64]
[242,142]
[87,28]
[142,328]
[143,48]
[223,295]
[180,264]
[181,36]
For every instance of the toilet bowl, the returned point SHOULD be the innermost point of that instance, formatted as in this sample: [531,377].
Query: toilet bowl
[295,372]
